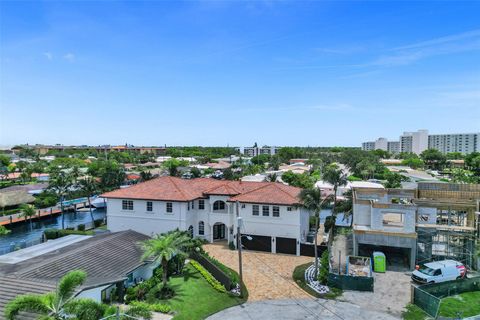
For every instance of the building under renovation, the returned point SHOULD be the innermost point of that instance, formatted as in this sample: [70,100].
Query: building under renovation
[433,222]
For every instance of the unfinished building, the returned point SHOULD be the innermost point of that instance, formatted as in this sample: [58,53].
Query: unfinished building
[433,222]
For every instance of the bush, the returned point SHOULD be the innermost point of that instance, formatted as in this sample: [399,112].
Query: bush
[81,227]
[353,178]
[231,245]
[155,307]
[160,292]
[58,233]
[208,276]
[234,277]
[98,222]
[324,268]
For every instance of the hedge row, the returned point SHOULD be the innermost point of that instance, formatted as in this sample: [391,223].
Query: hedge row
[155,307]
[234,277]
[208,276]
[58,233]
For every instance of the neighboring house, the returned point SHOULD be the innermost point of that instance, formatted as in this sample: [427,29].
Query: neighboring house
[207,208]
[433,222]
[112,261]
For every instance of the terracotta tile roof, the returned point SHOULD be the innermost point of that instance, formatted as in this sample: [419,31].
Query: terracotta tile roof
[176,189]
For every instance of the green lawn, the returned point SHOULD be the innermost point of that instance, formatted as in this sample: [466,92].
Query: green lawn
[299,277]
[413,312]
[464,305]
[195,298]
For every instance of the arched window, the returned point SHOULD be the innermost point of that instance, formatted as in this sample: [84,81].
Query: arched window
[190,231]
[218,205]
[201,228]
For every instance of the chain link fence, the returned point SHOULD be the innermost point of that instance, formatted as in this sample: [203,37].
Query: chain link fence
[428,297]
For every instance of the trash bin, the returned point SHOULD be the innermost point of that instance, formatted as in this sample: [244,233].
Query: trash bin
[379,262]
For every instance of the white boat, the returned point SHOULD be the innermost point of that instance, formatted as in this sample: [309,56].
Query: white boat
[98,202]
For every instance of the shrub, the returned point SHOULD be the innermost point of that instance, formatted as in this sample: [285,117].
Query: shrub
[231,274]
[231,245]
[98,222]
[58,233]
[51,233]
[160,292]
[156,307]
[324,268]
[81,227]
[208,276]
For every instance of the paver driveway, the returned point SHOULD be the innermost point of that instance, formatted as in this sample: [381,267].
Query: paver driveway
[266,275]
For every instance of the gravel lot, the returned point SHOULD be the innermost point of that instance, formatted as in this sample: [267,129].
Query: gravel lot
[391,293]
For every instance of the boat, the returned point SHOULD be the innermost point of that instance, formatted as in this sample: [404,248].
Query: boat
[98,202]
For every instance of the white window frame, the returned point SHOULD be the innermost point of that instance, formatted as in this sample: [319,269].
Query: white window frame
[276,211]
[201,228]
[201,204]
[265,211]
[255,210]
[127,205]
[167,209]
[149,205]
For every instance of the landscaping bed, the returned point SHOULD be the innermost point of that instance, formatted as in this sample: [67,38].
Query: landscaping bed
[299,278]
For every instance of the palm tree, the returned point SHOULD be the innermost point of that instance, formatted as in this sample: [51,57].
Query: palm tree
[312,201]
[61,183]
[272,177]
[52,305]
[89,186]
[163,247]
[28,211]
[337,178]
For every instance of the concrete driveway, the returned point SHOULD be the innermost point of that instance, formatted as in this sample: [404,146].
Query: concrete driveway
[266,275]
[299,309]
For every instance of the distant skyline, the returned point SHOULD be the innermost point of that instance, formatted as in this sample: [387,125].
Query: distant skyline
[219,73]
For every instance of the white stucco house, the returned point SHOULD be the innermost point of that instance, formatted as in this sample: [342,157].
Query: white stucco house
[207,208]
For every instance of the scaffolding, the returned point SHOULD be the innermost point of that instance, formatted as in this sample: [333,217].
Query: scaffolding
[440,242]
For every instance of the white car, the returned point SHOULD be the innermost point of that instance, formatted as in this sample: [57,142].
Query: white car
[439,271]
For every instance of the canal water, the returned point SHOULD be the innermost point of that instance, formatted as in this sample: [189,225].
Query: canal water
[21,234]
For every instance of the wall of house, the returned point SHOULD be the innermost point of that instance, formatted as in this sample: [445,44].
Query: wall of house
[407,213]
[94,293]
[140,220]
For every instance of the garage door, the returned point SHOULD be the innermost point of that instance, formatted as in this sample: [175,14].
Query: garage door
[286,245]
[258,243]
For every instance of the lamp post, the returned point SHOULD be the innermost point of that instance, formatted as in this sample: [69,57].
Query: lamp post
[239,244]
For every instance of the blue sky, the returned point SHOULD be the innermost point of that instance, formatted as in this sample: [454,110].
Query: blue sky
[236,72]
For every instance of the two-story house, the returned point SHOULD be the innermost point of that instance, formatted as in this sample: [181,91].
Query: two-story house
[207,208]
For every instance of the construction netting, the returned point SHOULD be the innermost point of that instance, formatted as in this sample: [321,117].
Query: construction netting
[346,282]
[428,297]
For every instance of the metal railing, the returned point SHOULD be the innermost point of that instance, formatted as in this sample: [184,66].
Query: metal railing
[17,245]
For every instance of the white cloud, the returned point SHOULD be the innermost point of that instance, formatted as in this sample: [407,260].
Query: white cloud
[48,55]
[70,57]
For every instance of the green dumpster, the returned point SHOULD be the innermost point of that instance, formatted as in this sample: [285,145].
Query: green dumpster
[379,262]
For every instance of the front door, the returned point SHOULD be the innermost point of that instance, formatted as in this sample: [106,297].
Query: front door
[218,231]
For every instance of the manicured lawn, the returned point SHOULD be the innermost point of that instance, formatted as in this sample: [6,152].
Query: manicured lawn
[195,298]
[299,277]
[463,305]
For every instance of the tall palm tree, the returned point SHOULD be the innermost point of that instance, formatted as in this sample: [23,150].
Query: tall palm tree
[28,211]
[90,187]
[61,183]
[334,175]
[312,201]
[163,247]
[52,305]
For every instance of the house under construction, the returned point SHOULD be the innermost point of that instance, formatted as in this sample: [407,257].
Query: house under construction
[433,222]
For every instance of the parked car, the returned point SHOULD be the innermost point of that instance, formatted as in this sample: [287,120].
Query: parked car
[439,271]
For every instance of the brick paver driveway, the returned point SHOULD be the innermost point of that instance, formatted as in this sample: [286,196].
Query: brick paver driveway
[266,275]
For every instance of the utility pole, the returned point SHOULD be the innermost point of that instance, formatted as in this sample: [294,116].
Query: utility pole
[239,246]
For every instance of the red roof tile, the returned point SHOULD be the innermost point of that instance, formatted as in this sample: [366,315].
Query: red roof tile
[176,189]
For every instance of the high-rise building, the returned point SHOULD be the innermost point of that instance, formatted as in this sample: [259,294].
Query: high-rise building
[415,142]
[420,140]
[393,147]
[463,142]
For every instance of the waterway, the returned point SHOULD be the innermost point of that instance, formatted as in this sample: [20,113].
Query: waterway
[21,234]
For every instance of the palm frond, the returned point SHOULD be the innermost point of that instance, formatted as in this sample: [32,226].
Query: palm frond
[68,284]
[28,303]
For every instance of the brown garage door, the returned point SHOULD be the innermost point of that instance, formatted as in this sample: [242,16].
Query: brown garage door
[286,245]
